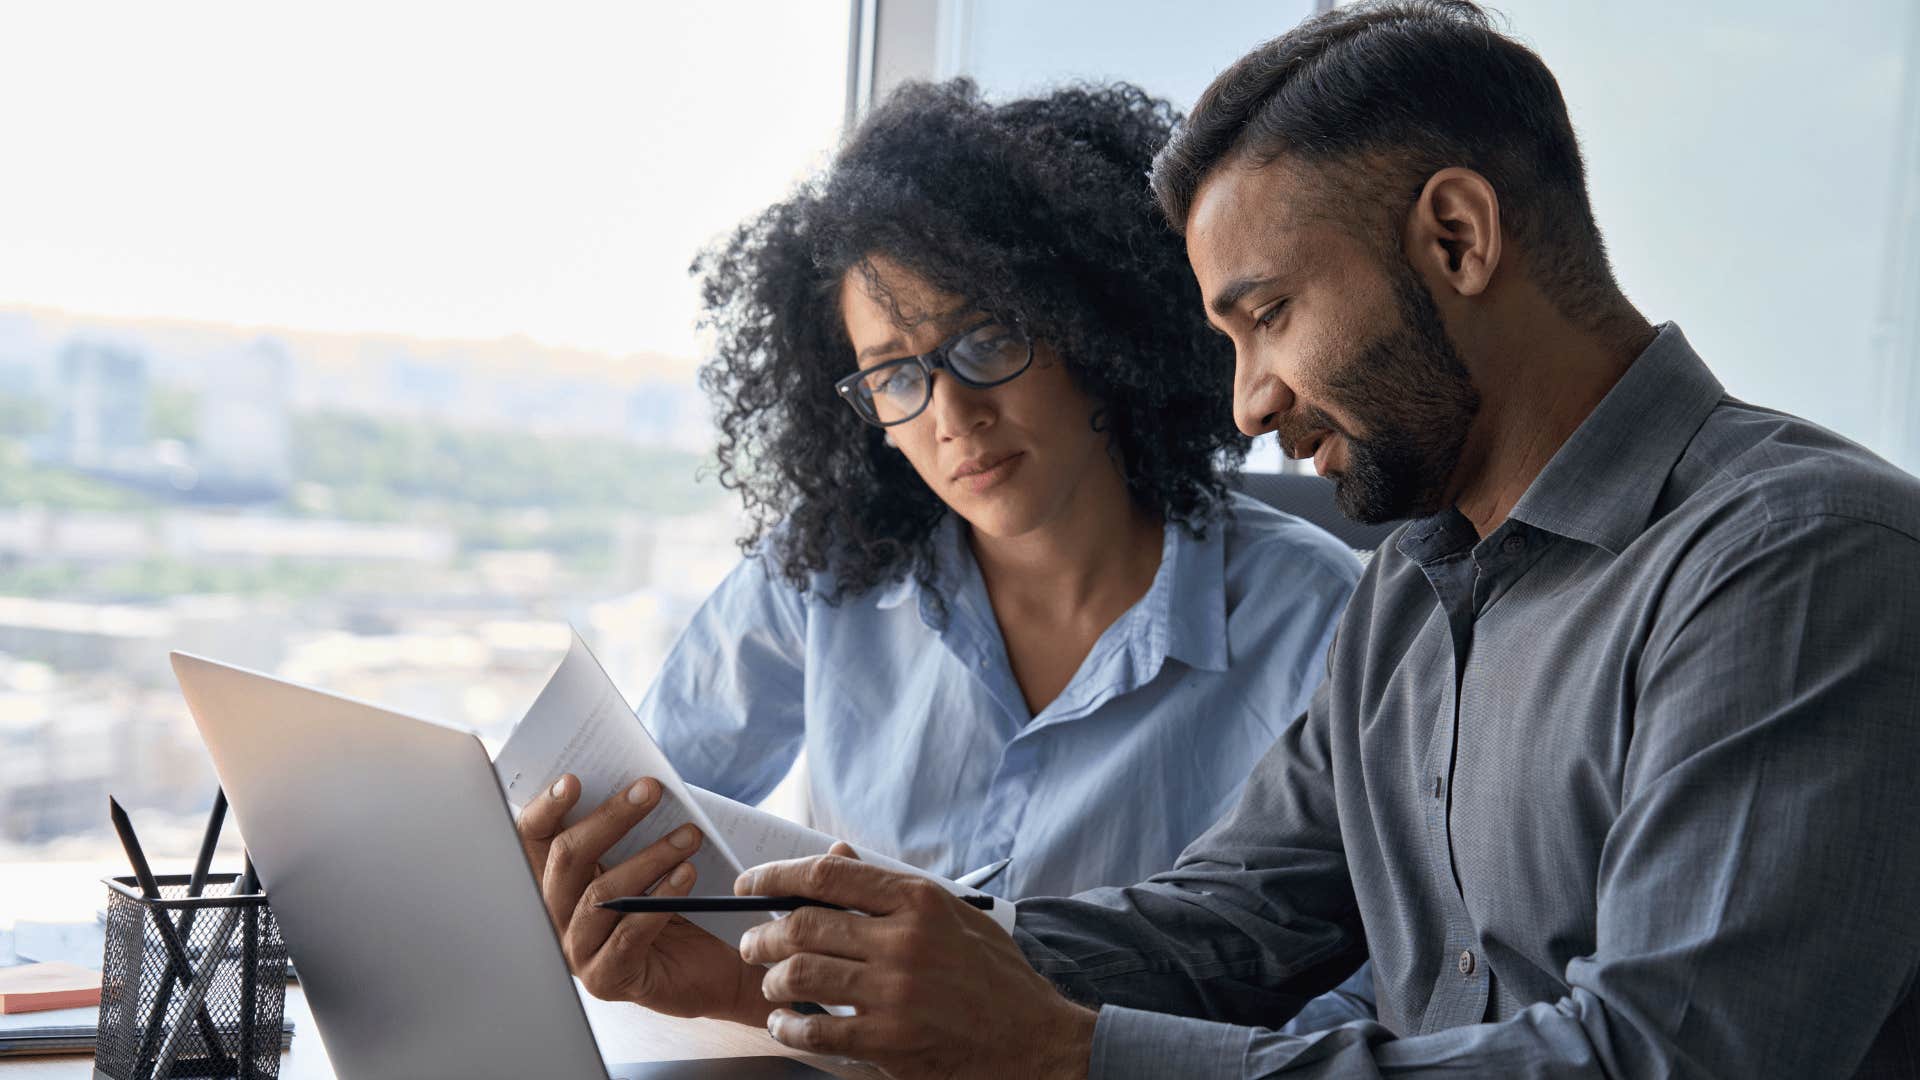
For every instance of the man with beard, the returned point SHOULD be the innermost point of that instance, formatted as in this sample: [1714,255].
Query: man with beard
[1612,772]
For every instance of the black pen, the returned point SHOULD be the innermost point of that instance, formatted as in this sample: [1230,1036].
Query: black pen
[208,841]
[203,980]
[181,966]
[710,904]
[196,885]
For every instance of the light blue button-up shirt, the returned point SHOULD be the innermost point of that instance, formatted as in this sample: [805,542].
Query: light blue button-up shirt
[920,744]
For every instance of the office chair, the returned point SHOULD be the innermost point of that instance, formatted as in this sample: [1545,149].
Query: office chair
[1311,498]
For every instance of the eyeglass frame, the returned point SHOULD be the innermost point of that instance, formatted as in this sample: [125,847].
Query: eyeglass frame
[934,359]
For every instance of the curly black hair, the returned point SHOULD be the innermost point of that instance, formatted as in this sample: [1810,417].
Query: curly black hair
[1035,211]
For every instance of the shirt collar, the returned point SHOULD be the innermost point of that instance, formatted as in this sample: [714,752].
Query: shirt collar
[1188,597]
[894,593]
[952,569]
[1601,485]
[1183,614]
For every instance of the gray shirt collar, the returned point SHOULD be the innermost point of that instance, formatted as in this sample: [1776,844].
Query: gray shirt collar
[1601,485]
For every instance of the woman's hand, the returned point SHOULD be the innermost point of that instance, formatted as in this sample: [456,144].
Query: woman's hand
[661,961]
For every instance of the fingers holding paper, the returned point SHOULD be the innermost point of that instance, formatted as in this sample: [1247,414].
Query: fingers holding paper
[542,819]
[566,857]
[661,868]
[928,974]
[577,851]
[660,961]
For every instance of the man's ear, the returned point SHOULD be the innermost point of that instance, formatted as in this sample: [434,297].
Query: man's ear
[1452,234]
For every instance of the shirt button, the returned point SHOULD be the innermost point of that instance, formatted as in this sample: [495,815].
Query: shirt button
[1439,786]
[983,663]
[1514,544]
[1466,962]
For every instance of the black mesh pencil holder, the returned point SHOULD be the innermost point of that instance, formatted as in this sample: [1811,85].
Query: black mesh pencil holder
[190,987]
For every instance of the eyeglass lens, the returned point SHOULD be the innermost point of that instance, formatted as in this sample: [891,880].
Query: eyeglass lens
[989,355]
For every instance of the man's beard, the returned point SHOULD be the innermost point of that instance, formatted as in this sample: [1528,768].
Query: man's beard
[1409,390]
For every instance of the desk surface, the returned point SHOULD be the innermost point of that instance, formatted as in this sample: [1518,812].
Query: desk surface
[65,891]
[625,1033]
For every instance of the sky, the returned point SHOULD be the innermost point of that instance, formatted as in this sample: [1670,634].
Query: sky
[433,169]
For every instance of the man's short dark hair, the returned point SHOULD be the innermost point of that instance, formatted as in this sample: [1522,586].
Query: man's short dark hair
[1378,97]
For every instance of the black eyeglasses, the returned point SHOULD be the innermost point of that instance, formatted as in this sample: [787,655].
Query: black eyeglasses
[895,392]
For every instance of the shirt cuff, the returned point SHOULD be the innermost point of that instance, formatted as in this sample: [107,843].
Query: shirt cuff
[1129,1044]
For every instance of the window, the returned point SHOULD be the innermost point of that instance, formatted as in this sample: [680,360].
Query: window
[357,345]
[1754,166]
[1756,170]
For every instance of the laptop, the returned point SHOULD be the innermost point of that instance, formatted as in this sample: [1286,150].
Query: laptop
[399,884]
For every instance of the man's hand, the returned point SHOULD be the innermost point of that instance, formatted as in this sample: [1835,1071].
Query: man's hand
[941,990]
[661,961]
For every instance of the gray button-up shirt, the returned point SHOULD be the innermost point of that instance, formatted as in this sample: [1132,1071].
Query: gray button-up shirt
[1628,787]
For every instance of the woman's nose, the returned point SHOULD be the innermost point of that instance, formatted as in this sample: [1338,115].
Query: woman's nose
[958,410]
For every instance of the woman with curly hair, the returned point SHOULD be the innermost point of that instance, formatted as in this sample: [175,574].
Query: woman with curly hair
[996,586]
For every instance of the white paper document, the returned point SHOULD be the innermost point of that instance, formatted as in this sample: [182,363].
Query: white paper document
[581,725]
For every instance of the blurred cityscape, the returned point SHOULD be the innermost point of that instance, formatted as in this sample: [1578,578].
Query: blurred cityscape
[411,522]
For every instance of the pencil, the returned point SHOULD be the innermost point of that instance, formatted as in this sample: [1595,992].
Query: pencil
[709,904]
[196,884]
[217,953]
[179,966]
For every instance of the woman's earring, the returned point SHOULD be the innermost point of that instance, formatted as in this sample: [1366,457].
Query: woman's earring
[888,437]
